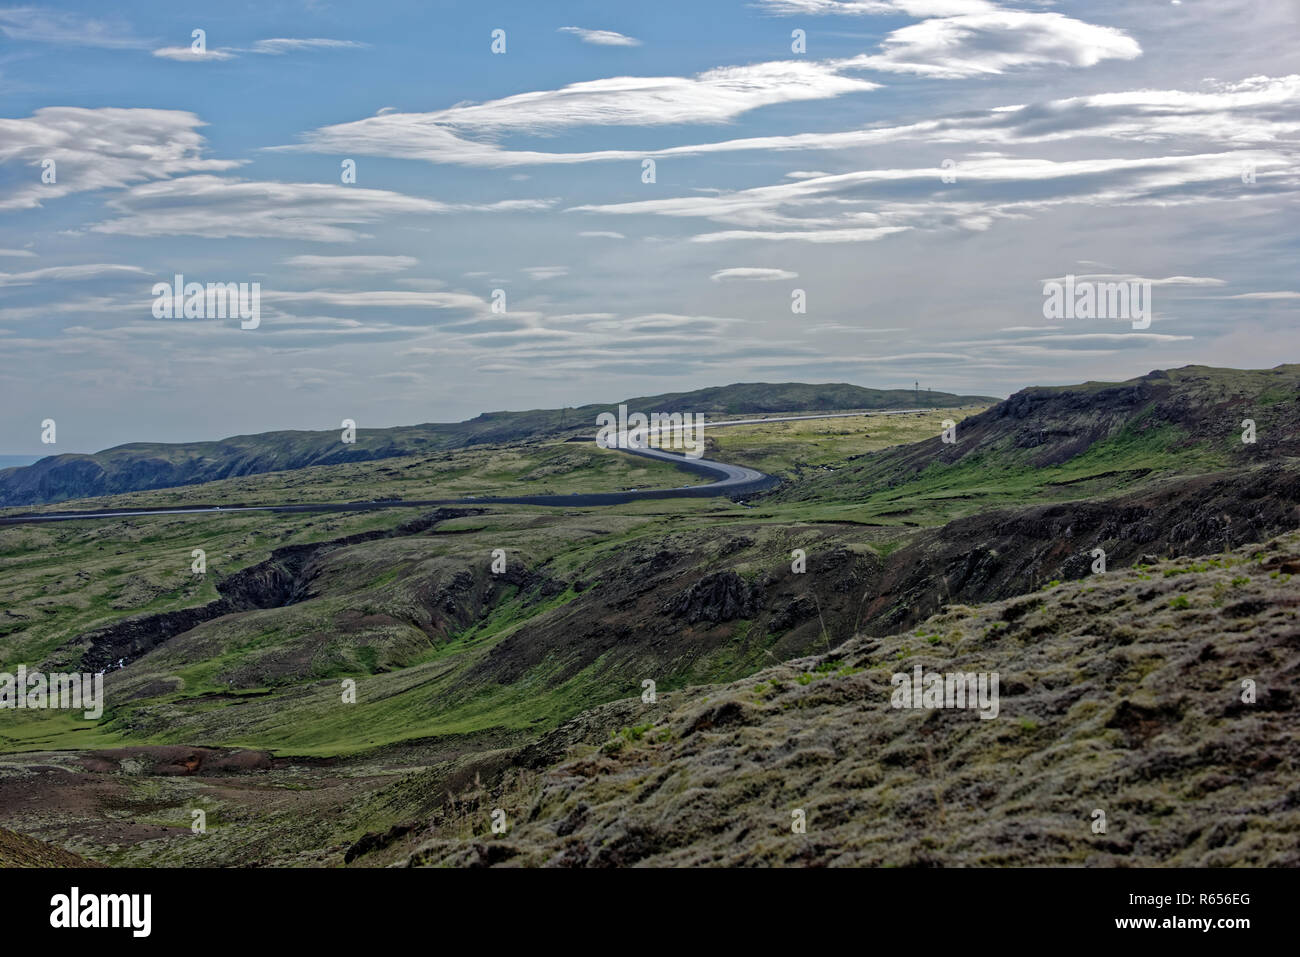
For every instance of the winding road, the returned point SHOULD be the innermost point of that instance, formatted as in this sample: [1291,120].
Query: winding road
[729,480]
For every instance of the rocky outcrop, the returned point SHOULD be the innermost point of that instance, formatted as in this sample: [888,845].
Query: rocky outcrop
[722,596]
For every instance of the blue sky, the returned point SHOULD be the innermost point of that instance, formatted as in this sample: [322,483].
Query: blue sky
[1103,139]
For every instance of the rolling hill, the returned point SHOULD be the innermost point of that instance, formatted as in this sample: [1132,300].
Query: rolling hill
[140,466]
[480,688]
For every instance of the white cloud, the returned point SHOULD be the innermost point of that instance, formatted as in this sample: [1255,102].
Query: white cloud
[870,204]
[996,41]
[190,55]
[661,323]
[1281,294]
[859,235]
[1129,277]
[1088,336]
[278,46]
[17,252]
[539,273]
[99,149]
[753,273]
[604,38]
[715,96]
[370,265]
[582,316]
[219,207]
[601,234]
[68,273]
[1256,111]
[963,38]
[381,298]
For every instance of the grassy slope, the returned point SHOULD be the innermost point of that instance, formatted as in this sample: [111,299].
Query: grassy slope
[1094,440]
[63,580]
[544,468]
[796,450]
[59,580]
[18,850]
[1121,692]
[409,687]
[413,688]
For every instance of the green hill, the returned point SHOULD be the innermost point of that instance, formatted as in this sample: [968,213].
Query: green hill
[1068,442]
[141,465]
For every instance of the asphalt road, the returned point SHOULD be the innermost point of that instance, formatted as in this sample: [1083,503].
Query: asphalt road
[729,480]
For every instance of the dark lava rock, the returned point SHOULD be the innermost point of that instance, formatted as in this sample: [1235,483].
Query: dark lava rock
[722,596]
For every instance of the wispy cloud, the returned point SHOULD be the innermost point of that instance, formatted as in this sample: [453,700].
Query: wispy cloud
[752,273]
[219,207]
[715,96]
[384,298]
[352,265]
[68,273]
[539,273]
[94,149]
[870,204]
[1255,111]
[275,46]
[190,55]
[602,38]
[1129,277]
[278,46]
[1281,294]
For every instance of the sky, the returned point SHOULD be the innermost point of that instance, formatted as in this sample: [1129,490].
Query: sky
[911,171]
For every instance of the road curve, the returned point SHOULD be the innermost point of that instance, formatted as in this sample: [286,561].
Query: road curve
[729,480]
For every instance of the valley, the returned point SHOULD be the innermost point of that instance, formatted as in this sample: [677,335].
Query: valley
[522,687]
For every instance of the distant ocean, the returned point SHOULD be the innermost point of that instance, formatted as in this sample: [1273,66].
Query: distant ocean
[9,461]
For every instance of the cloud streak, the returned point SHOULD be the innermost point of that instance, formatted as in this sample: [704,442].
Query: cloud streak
[220,207]
[715,96]
[602,38]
